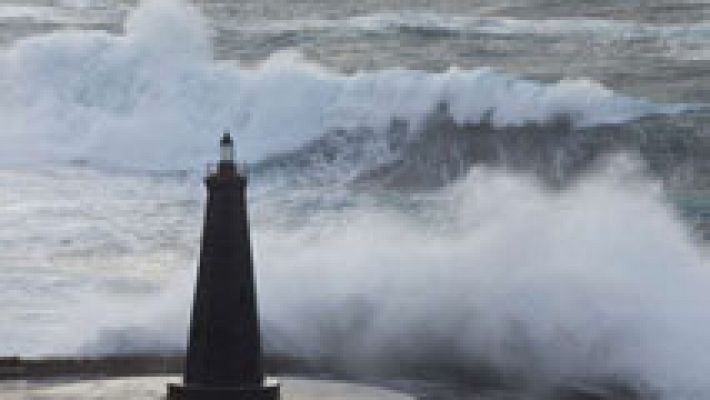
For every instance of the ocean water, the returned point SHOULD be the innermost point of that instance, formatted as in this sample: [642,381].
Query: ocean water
[499,194]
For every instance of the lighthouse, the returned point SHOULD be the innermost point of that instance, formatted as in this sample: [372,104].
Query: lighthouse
[224,360]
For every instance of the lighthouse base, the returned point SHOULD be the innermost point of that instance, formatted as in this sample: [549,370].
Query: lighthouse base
[198,392]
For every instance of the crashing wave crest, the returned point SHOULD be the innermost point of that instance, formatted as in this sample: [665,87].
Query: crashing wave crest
[154,97]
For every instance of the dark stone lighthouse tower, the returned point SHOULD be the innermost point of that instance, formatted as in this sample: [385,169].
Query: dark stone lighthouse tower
[224,354]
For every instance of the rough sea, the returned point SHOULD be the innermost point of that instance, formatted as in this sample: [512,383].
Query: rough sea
[503,199]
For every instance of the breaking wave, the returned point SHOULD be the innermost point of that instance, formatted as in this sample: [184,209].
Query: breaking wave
[154,97]
[493,280]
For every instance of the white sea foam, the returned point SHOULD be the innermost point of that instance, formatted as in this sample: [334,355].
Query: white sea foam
[597,281]
[600,280]
[155,98]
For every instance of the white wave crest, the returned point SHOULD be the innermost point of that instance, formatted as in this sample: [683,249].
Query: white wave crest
[154,97]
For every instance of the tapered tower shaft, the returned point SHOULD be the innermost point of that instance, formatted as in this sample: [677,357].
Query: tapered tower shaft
[224,352]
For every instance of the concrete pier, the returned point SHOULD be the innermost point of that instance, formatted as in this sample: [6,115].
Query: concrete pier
[153,388]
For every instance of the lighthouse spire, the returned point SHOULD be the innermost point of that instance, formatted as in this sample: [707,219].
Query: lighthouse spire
[226,148]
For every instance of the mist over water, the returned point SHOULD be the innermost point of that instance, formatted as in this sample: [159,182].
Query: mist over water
[489,276]
[492,278]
